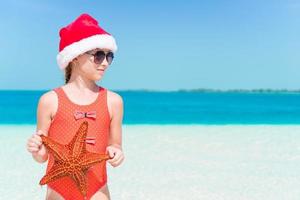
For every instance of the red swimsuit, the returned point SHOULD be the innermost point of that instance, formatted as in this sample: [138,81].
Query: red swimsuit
[62,129]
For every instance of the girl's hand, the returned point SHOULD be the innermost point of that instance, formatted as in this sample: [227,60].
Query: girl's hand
[35,146]
[116,154]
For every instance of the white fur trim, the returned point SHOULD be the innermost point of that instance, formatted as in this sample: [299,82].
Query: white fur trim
[75,49]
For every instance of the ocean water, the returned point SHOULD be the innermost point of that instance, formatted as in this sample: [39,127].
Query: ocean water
[142,107]
[177,145]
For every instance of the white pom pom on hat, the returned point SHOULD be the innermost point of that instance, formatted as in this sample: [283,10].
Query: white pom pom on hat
[82,35]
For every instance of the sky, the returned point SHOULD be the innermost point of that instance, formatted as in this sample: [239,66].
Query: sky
[162,45]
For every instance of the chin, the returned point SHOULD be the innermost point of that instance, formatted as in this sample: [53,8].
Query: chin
[97,78]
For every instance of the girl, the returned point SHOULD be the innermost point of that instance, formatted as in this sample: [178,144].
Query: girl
[85,52]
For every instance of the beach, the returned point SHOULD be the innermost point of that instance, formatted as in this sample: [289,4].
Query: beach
[210,162]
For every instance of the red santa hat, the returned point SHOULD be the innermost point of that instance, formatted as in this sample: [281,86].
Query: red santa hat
[82,35]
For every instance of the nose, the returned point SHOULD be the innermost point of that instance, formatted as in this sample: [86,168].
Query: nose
[104,62]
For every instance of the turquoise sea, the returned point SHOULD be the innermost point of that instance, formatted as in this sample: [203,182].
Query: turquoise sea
[145,107]
[177,145]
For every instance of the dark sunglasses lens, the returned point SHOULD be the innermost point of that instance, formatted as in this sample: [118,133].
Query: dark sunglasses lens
[109,57]
[99,57]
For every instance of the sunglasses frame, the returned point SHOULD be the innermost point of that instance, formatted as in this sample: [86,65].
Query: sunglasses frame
[92,53]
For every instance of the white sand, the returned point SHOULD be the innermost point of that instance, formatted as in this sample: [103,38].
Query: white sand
[177,162]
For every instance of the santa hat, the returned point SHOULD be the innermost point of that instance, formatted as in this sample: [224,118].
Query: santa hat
[82,35]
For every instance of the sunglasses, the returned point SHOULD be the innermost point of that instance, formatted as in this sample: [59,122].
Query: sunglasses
[100,55]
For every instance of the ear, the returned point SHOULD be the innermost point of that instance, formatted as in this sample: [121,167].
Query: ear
[75,61]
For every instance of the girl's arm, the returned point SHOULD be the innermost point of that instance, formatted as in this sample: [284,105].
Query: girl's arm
[114,147]
[116,107]
[44,117]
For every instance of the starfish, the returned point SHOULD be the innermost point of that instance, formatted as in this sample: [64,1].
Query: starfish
[71,160]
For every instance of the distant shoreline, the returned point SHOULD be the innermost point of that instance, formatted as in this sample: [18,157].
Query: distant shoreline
[203,90]
[244,90]
[200,90]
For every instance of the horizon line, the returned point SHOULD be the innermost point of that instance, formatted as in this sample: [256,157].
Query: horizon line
[258,90]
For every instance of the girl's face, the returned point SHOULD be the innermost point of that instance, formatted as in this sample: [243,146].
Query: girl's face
[88,68]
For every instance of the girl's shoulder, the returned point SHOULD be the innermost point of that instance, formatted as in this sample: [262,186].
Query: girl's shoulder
[49,97]
[114,103]
[113,97]
[48,103]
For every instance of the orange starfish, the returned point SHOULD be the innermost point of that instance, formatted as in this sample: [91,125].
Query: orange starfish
[71,160]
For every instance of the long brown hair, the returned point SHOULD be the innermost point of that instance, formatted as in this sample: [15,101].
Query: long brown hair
[68,72]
